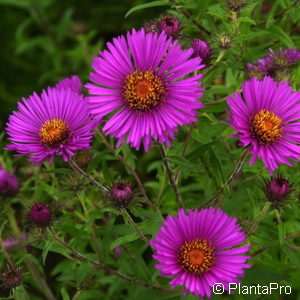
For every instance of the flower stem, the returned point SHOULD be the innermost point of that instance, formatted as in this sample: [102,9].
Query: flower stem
[185,148]
[189,17]
[127,217]
[262,214]
[132,171]
[29,264]
[171,176]
[214,102]
[104,267]
[92,230]
[93,181]
[233,175]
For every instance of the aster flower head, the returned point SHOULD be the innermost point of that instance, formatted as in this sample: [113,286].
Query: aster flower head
[277,190]
[266,116]
[9,184]
[41,215]
[201,49]
[12,278]
[275,61]
[121,194]
[142,77]
[74,83]
[56,122]
[200,248]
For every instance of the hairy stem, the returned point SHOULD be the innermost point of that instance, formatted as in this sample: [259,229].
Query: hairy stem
[171,176]
[93,181]
[127,217]
[185,148]
[262,214]
[104,267]
[132,171]
[29,264]
[189,17]
[233,175]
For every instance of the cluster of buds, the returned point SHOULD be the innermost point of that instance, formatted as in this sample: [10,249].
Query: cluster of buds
[276,64]
[169,24]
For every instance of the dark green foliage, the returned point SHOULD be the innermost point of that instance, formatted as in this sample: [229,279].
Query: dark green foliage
[43,41]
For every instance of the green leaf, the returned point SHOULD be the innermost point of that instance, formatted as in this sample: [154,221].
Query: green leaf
[278,33]
[65,294]
[217,11]
[184,163]
[46,249]
[17,3]
[201,8]
[124,240]
[146,5]
[284,3]
[192,156]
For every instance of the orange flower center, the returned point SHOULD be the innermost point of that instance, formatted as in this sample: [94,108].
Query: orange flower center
[54,133]
[196,256]
[266,127]
[143,90]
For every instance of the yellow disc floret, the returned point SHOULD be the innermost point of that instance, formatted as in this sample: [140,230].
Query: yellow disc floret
[143,90]
[196,256]
[54,132]
[266,127]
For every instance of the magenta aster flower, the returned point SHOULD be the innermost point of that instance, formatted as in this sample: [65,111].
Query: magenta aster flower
[143,78]
[266,115]
[57,122]
[275,61]
[73,83]
[196,249]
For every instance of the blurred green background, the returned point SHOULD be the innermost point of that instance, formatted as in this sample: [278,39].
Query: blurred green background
[43,41]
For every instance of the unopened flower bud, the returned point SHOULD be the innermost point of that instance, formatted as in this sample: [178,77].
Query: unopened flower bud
[224,41]
[202,50]
[277,190]
[40,215]
[169,24]
[121,194]
[12,278]
[236,5]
